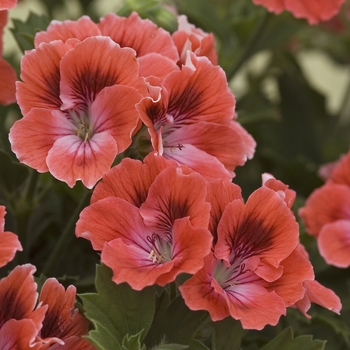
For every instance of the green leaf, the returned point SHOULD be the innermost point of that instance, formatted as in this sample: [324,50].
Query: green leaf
[12,175]
[24,32]
[277,31]
[118,308]
[170,347]
[103,339]
[133,342]
[174,321]
[286,341]
[197,345]
[227,334]
[152,10]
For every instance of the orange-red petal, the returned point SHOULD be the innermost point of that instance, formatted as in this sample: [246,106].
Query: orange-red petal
[175,195]
[18,297]
[334,243]
[62,319]
[79,29]
[117,182]
[140,34]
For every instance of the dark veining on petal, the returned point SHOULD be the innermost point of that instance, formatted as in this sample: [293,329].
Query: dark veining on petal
[11,308]
[55,325]
[251,237]
[185,105]
[89,83]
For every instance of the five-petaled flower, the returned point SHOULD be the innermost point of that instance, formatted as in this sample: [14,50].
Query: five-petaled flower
[9,241]
[8,74]
[314,11]
[29,323]
[253,263]
[78,101]
[154,226]
[191,120]
[326,214]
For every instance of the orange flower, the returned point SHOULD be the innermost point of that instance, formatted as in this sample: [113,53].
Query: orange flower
[326,214]
[63,323]
[150,226]
[192,121]
[258,267]
[253,240]
[155,50]
[7,72]
[9,241]
[72,126]
[7,4]
[189,38]
[18,300]
[314,11]
[28,323]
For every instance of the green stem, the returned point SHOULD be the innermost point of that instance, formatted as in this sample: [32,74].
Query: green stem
[23,207]
[249,46]
[65,237]
[344,106]
[30,189]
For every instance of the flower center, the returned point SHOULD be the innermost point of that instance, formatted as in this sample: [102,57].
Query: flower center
[229,276]
[81,123]
[161,248]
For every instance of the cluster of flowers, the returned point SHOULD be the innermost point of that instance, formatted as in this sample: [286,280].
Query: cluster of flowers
[28,322]
[245,258]
[326,213]
[86,90]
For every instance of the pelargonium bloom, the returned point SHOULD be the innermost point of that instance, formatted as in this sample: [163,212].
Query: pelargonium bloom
[7,4]
[253,239]
[189,38]
[18,296]
[192,121]
[152,229]
[314,11]
[30,323]
[8,74]
[304,282]
[9,241]
[63,324]
[72,125]
[314,292]
[256,269]
[326,215]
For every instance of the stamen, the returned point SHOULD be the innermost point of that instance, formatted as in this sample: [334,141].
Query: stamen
[152,256]
[161,248]
[230,276]
[82,123]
